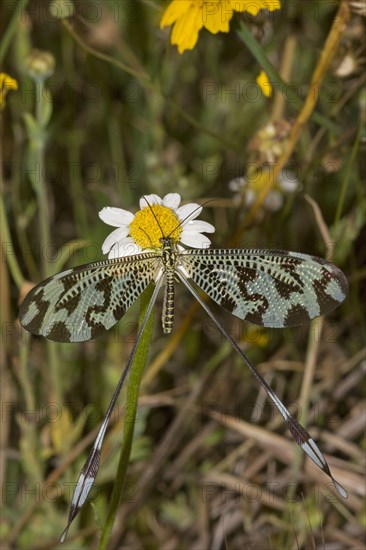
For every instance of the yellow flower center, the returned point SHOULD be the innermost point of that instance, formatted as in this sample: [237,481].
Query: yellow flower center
[152,223]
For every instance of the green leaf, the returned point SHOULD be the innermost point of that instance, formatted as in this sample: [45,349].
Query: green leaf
[46,109]
[33,128]
[67,250]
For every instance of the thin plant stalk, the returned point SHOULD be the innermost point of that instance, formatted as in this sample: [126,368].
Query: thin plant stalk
[37,155]
[133,391]
[347,178]
[307,110]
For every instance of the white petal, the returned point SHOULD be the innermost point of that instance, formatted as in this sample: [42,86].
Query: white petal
[126,247]
[147,200]
[288,181]
[121,245]
[273,201]
[198,226]
[236,184]
[114,237]
[126,241]
[189,212]
[249,197]
[195,240]
[172,200]
[117,217]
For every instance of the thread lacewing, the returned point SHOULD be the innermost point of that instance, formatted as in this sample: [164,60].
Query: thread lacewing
[270,288]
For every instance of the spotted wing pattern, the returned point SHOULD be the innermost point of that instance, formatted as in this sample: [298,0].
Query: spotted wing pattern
[272,288]
[80,304]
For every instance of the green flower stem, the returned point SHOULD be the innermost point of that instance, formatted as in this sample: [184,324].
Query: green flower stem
[22,213]
[349,171]
[133,391]
[38,155]
[6,243]
[34,466]
[142,77]
[37,148]
[260,55]
[11,28]
[8,249]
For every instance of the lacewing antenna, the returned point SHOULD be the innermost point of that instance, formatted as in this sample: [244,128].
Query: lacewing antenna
[153,213]
[200,206]
[181,223]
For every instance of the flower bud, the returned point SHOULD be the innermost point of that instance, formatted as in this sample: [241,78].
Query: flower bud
[40,65]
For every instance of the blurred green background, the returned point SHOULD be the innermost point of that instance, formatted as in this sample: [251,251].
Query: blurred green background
[107,110]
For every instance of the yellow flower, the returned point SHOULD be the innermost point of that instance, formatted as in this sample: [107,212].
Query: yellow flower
[189,16]
[7,83]
[264,84]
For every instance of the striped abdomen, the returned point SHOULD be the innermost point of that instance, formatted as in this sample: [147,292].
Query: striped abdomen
[167,318]
[168,259]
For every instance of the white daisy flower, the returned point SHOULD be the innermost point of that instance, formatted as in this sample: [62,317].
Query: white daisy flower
[156,218]
[273,201]
[247,189]
[288,181]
